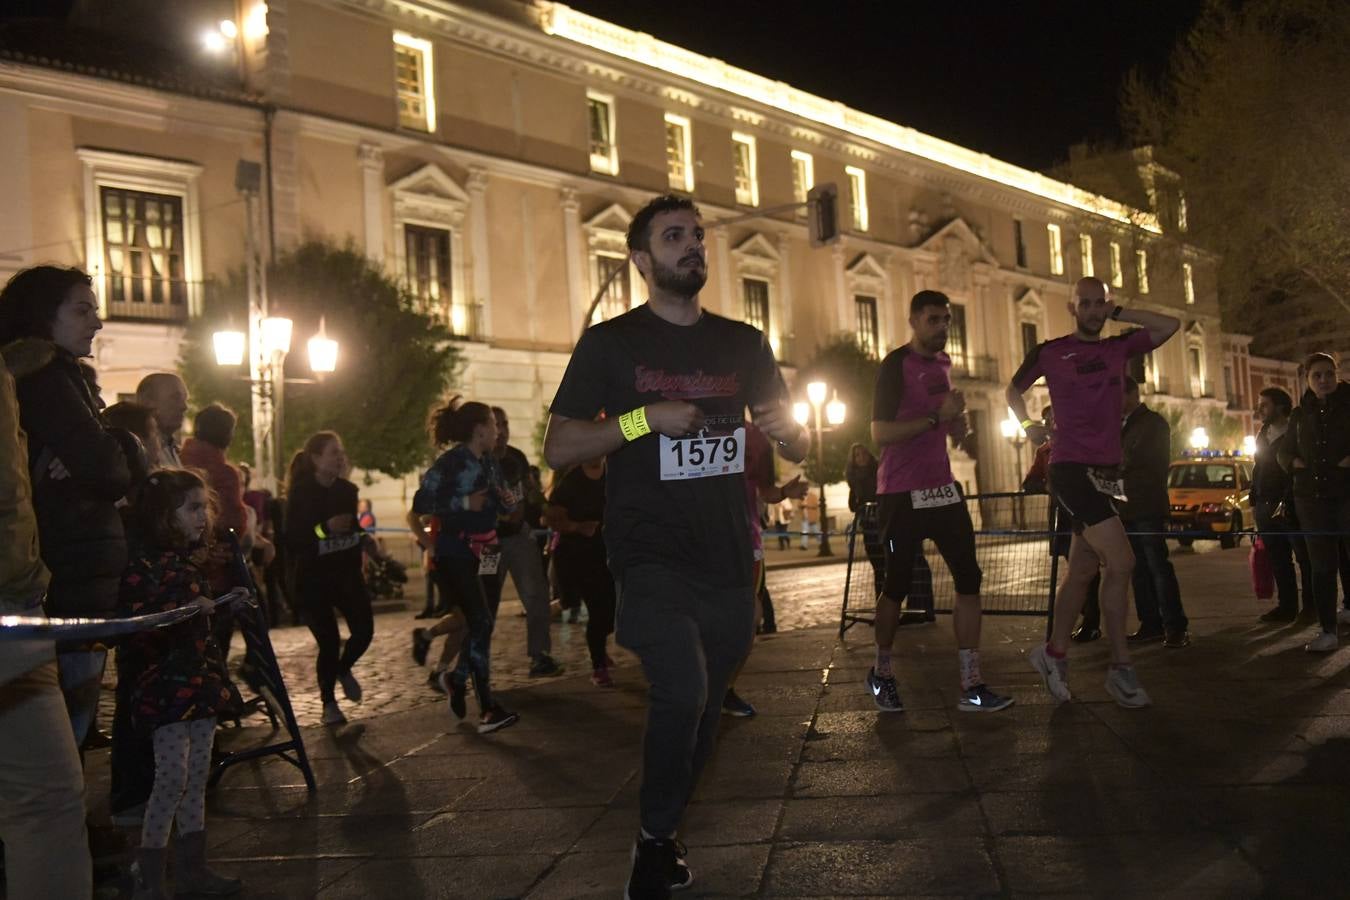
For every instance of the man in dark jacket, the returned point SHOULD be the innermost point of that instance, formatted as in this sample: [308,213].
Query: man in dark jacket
[1273,507]
[1146,448]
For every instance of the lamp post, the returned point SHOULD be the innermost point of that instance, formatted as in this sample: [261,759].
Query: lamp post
[267,380]
[834,412]
[1199,439]
[1012,431]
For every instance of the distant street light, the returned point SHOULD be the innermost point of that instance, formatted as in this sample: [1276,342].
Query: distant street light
[1199,439]
[835,412]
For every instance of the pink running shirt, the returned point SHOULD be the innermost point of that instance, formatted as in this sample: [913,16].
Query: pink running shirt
[1084,378]
[911,386]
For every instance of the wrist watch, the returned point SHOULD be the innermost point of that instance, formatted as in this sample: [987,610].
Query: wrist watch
[933,420]
[1115,313]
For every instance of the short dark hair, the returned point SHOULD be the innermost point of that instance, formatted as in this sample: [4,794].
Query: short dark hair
[30,299]
[1280,397]
[215,425]
[135,417]
[455,421]
[1131,386]
[928,298]
[639,230]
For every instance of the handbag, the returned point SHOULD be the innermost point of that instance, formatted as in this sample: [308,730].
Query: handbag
[1263,577]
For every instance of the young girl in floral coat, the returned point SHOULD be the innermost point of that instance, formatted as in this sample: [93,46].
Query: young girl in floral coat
[181,682]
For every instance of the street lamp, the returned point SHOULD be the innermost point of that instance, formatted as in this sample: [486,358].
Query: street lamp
[273,342]
[1199,439]
[834,413]
[1012,430]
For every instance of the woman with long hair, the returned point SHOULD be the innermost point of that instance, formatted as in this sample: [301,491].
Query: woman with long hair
[325,546]
[1316,452]
[464,491]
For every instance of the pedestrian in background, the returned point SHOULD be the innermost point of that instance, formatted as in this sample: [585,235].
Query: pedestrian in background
[1273,508]
[1317,455]
[576,511]
[166,394]
[1146,456]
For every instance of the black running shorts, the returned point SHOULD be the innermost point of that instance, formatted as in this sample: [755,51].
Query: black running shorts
[1076,487]
[904,529]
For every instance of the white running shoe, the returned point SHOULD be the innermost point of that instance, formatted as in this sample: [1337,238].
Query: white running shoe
[1122,683]
[1325,642]
[1054,672]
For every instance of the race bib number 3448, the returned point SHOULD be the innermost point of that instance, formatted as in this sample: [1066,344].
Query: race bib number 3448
[703,456]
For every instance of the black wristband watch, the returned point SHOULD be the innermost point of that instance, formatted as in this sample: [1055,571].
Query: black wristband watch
[1115,313]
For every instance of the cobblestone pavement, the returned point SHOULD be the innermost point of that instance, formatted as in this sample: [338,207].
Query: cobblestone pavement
[392,682]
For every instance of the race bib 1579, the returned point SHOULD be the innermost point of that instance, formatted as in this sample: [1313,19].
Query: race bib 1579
[702,456]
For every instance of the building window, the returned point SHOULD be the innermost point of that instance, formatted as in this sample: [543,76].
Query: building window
[1117,270]
[1188,282]
[857,195]
[1196,358]
[427,255]
[617,297]
[868,331]
[1020,242]
[143,245]
[679,153]
[745,169]
[956,338]
[600,119]
[1181,212]
[1029,338]
[1056,249]
[756,303]
[1085,252]
[413,79]
[1141,264]
[803,176]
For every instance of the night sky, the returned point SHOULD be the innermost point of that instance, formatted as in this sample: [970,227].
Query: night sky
[1021,81]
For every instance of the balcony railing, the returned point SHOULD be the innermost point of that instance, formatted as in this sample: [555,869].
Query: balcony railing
[1202,389]
[975,368]
[465,321]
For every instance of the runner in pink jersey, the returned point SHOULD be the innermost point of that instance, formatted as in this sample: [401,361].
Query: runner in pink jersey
[914,411]
[1084,373]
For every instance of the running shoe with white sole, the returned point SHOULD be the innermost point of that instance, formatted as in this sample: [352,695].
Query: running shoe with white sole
[495,719]
[981,699]
[884,692]
[1054,672]
[1325,642]
[734,705]
[658,869]
[1122,683]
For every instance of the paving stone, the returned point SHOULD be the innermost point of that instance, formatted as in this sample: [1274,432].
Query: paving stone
[471,877]
[883,776]
[889,818]
[954,865]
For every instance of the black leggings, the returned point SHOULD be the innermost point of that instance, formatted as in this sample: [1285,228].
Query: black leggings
[585,576]
[321,601]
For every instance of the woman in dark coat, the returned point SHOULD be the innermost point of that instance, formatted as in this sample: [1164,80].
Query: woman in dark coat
[80,468]
[1316,452]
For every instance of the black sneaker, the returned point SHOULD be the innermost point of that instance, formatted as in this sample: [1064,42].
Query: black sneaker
[1279,615]
[434,681]
[455,691]
[421,643]
[495,719]
[734,705]
[884,692]
[545,666]
[658,869]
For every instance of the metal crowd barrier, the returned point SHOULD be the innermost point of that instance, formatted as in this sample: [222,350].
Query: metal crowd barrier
[1011,531]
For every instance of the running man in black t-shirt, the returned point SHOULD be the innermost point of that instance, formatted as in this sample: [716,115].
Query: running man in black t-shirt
[674,382]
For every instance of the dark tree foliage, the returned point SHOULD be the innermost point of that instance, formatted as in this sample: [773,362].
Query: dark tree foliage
[394,362]
[851,374]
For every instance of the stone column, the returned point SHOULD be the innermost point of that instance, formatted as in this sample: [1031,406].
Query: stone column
[575,260]
[372,183]
[478,223]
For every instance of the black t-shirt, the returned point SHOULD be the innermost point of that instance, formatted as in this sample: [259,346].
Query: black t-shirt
[696,525]
[515,467]
[584,499]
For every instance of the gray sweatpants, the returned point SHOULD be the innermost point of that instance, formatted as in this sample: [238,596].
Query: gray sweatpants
[690,637]
[520,557]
